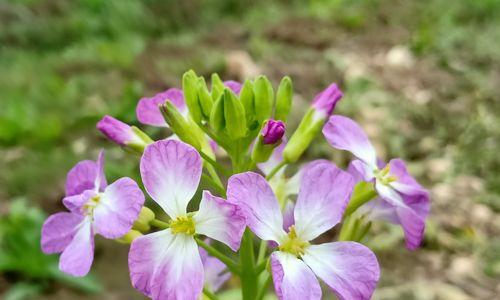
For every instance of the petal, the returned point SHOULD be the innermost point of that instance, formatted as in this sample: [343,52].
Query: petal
[83,177]
[77,258]
[216,273]
[58,231]
[234,86]
[293,280]
[345,134]
[118,208]
[148,111]
[166,266]
[100,179]
[220,220]
[259,205]
[76,202]
[379,209]
[171,172]
[288,219]
[350,269]
[360,170]
[324,193]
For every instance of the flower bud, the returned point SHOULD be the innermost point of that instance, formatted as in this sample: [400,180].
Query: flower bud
[272,132]
[311,124]
[204,98]
[129,237]
[263,98]
[234,115]
[217,86]
[324,103]
[234,86]
[123,134]
[180,126]
[247,99]
[145,217]
[270,137]
[284,99]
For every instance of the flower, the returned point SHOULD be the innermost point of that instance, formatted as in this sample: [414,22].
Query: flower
[167,264]
[404,200]
[95,208]
[272,132]
[350,269]
[121,133]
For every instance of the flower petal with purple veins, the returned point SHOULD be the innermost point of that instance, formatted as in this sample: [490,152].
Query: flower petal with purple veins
[58,231]
[77,257]
[350,269]
[234,86]
[82,177]
[166,266]
[220,220]
[345,134]
[252,193]
[118,208]
[171,172]
[293,280]
[323,196]
[148,111]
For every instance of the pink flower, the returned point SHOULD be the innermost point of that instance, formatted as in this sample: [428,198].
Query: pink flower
[350,269]
[167,264]
[95,208]
[403,200]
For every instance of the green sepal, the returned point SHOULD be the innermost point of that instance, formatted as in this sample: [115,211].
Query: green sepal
[217,86]
[205,99]
[263,98]
[234,115]
[247,99]
[179,125]
[284,99]
[308,129]
[217,121]
[190,89]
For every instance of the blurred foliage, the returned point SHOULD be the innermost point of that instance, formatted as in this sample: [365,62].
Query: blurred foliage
[23,262]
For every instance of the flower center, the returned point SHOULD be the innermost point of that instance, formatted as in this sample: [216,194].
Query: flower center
[183,224]
[293,244]
[383,176]
[88,208]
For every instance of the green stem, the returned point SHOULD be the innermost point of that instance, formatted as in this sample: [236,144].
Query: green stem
[230,264]
[214,163]
[264,287]
[260,268]
[220,189]
[214,175]
[209,294]
[275,170]
[249,281]
[262,251]
[358,200]
[159,224]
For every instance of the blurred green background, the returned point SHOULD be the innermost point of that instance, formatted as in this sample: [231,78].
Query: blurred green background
[422,77]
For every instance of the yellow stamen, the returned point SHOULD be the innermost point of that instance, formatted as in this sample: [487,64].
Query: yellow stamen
[293,244]
[183,224]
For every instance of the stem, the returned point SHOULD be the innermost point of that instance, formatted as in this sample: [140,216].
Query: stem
[260,268]
[264,287]
[275,170]
[262,251]
[159,224]
[230,264]
[214,163]
[358,200]
[249,281]
[214,175]
[220,189]
[209,294]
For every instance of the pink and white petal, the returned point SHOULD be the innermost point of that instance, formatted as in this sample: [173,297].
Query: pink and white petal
[100,180]
[166,266]
[171,172]
[324,193]
[216,273]
[288,218]
[75,203]
[82,177]
[118,208]
[58,231]
[345,134]
[360,170]
[220,220]
[148,111]
[293,280]
[251,192]
[350,269]
[77,257]
[379,209]
[413,227]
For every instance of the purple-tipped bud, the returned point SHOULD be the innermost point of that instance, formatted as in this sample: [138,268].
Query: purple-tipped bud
[116,130]
[325,101]
[234,86]
[272,132]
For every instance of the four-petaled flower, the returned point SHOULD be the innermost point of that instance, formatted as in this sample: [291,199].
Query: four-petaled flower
[403,201]
[350,269]
[95,208]
[167,264]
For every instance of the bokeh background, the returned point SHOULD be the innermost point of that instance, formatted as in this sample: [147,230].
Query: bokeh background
[422,77]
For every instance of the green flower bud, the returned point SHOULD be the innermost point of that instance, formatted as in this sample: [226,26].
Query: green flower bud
[217,121]
[263,98]
[234,115]
[180,126]
[284,99]
[247,99]
[217,86]
[308,128]
[204,98]
[190,89]
[145,217]
[129,237]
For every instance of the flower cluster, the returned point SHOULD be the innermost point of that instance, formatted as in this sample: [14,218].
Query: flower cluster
[181,252]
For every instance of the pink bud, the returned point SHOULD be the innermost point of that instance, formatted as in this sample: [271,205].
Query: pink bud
[325,101]
[272,132]
[116,130]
